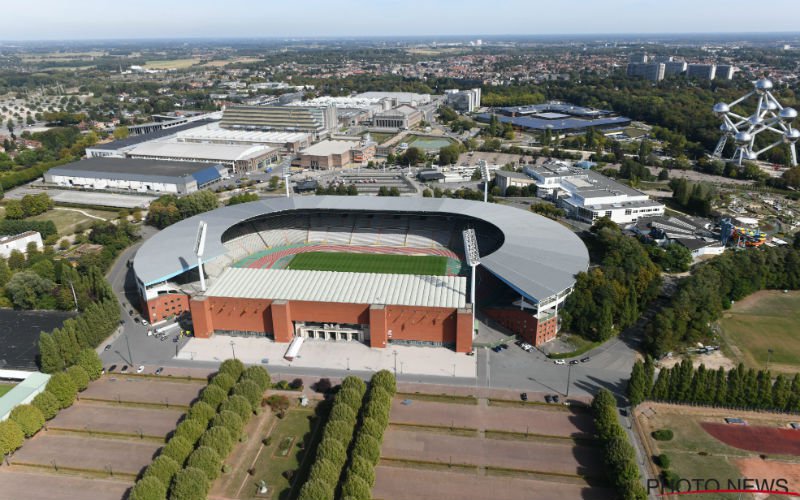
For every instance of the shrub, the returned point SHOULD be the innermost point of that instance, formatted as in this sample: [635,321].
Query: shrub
[250,391]
[385,380]
[350,397]
[362,468]
[378,412]
[11,436]
[162,468]
[213,396]
[223,381]
[178,448]
[238,405]
[342,412]
[662,435]
[189,484]
[296,384]
[671,479]
[355,488]
[663,461]
[355,383]
[91,362]
[316,490]
[322,386]
[232,367]
[191,430]
[338,429]
[207,460]
[230,421]
[63,388]
[379,396]
[258,375]
[79,377]
[218,438]
[202,412]
[325,471]
[368,448]
[47,404]
[331,449]
[148,488]
[371,427]
[278,402]
[29,418]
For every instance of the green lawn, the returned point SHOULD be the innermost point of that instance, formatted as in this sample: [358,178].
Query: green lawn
[67,219]
[4,388]
[766,320]
[370,263]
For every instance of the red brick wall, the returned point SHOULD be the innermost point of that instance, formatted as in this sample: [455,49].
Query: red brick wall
[524,324]
[249,315]
[166,305]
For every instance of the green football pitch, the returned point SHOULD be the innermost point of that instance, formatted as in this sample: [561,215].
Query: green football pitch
[434,265]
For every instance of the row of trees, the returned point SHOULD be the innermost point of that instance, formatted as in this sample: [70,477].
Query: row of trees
[695,198]
[331,456]
[736,388]
[612,296]
[193,456]
[169,209]
[711,288]
[388,191]
[238,199]
[618,453]
[45,228]
[359,475]
[28,206]
[61,390]
[338,190]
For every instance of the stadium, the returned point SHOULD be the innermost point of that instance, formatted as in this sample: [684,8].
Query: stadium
[374,270]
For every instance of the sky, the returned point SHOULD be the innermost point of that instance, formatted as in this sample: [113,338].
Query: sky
[113,19]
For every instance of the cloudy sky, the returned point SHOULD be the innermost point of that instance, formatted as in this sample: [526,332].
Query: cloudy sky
[86,19]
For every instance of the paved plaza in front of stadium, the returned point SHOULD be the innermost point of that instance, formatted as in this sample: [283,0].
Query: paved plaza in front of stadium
[435,361]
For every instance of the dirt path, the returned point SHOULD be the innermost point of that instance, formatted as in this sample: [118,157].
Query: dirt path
[80,212]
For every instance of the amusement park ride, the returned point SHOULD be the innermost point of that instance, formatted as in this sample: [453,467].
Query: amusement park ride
[769,117]
[741,236]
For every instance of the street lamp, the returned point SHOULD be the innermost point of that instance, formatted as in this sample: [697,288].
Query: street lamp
[348,364]
[569,376]
[232,349]
[484,169]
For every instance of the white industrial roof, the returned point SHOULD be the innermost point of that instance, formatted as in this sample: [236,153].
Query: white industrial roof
[325,148]
[207,134]
[199,151]
[349,288]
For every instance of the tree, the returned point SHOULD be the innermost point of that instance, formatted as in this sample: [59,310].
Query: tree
[79,377]
[63,388]
[213,396]
[189,484]
[427,193]
[202,412]
[229,420]
[162,468]
[368,448]
[355,488]
[11,436]
[26,289]
[207,460]
[238,405]
[350,397]
[363,469]
[178,448]
[325,471]
[29,418]
[385,380]
[223,381]
[232,367]
[47,404]
[250,391]
[14,210]
[148,488]
[121,133]
[316,490]
[191,429]
[257,374]
[91,363]
[636,384]
[333,450]
[218,438]
[50,359]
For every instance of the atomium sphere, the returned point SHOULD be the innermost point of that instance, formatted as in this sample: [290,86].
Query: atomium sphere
[727,129]
[755,120]
[788,114]
[743,138]
[791,136]
[768,106]
[721,109]
[750,155]
[762,86]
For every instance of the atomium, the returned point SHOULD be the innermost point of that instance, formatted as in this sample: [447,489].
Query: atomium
[769,117]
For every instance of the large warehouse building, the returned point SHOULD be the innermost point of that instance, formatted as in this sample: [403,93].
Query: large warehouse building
[319,121]
[527,269]
[137,175]
[239,158]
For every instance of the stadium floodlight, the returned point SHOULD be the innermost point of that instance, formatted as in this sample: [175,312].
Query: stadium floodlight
[286,175]
[473,259]
[199,248]
[484,169]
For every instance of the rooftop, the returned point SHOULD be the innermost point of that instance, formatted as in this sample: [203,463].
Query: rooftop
[133,140]
[21,392]
[129,166]
[206,134]
[326,148]
[200,151]
[349,288]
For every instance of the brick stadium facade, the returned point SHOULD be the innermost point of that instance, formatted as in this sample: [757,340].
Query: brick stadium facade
[275,318]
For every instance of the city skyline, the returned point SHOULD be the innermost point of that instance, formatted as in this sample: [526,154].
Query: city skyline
[54,20]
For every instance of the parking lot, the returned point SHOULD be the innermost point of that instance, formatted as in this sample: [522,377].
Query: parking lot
[115,418]
[18,484]
[143,390]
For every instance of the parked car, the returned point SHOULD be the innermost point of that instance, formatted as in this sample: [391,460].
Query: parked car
[497,348]
[124,369]
[107,347]
[140,369]
[503,346]
[144,322]
[555,398]
[523,396]
[574,362]
[584,360]
[471,353]
[560,362]
[136,320]
[159,370]
[130,312]
[548,398]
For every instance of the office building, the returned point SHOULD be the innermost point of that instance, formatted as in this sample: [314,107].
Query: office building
[465,101]
[319,121]
[649,71]
[673,68]
[336,154]
[637,58]
[701,71]
[403,117]
[19,242]
[724,72]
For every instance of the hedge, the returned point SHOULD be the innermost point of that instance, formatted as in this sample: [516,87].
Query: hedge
[63,388]
[79,377]
[207,460]
[355,488]
[11,436]
[662,435]
[213,396]
[148,488]
[29,418]
[218,438]
[352,382]
[257,374]
[201,411]
[191,430]
[163,468]
[189,484]
[232,367]
[223,381]
[178,448]
[238,405]
[250,391]
[364,469]
[230,421]
[47,404]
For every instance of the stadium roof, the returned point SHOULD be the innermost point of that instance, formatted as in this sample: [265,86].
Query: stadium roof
[531,122]
[538,257]
[22,392]
[348,288]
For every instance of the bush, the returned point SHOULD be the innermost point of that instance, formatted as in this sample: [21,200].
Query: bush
[296,384]
[332,449]
[278,403]
[29,418]
[47,404]
[258,375]
[79,377]
[148,488]
[362,468]
[91,362]
[230,421]
[662,435]
[355,383]
[207,460]
[213,396]
[178,448]
[350,397]
[368,448]
[202,412]
[322,386]
[218,438]
[238,405]
[342,412]
[671,479]
[316,490]
[663,461]
[191,430]
[232,367]
[338,429]
[11,436]
[325,471]
[162,468]
[371,427]
[250,391]
[223,381]
[189,484]
[355,488]
[385,380]
[63,388]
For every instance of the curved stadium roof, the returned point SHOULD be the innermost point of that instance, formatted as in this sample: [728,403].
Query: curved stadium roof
[539,257]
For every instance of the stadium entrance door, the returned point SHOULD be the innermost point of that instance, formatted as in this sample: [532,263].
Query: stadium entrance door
[331,331]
